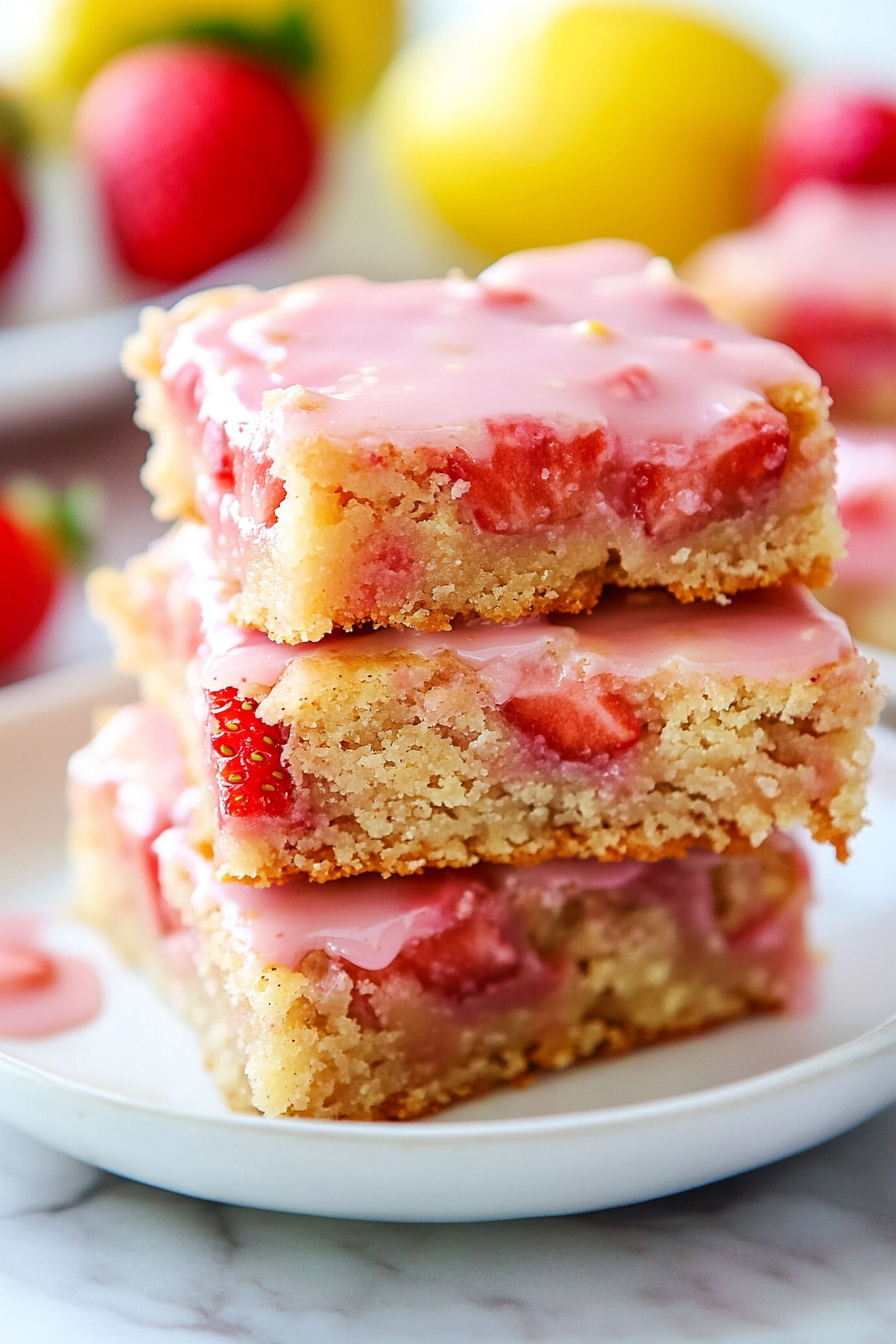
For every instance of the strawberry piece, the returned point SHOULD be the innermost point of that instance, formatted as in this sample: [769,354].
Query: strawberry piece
[199,154]
[727,474]
[466,958]
[252,777]
[579,723]
[823,134]
[531,477]
[29,580]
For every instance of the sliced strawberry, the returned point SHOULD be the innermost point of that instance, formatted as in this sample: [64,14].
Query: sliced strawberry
[579,722]
[464,960]
[727,474]
[253,779]
[532,476]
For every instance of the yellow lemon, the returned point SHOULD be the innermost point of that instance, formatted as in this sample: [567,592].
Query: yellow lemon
[593,121]
[338,47]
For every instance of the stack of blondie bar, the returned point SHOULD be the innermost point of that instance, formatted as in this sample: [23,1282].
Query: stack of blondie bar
[480,684]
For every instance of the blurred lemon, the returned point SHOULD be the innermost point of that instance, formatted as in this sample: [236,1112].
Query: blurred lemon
[594,121]
[338,47]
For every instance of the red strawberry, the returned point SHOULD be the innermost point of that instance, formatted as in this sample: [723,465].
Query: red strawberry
[463,960]
[579,722]
[199,154]
[253,780]
[727,473]
[822,134]
[13,226]
[29,579]
[531,476]
[13,215]
[41,532]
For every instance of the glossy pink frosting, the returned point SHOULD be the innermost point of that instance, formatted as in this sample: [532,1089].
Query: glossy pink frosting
[866,499]
[367,921]
[41,993]
[773,635]
[823,242]
[555,335]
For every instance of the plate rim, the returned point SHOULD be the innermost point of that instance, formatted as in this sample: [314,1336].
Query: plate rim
[875,1043]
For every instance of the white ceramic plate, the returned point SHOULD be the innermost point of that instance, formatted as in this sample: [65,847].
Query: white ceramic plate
[128,1093]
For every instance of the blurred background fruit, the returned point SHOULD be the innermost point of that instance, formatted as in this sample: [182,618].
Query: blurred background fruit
[43,534]
[199,153]
[593,120]
[336,48]
[821,133]
[13,211]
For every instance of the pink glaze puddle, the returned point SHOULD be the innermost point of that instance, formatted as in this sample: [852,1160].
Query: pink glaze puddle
[866,499]
[550,336]
[41,993]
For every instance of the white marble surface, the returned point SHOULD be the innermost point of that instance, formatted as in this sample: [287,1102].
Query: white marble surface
[801,1252]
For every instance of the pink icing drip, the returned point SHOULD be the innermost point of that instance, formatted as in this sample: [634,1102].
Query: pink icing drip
[433,362]
[866,498]
[41,993]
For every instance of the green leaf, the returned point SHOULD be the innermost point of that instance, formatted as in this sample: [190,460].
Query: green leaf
[286,41]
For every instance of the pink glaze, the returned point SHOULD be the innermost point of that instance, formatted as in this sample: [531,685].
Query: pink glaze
[866,499]
[819,273]
[369,922]
[823,243]
[41,993]
[434,363]
[773,635]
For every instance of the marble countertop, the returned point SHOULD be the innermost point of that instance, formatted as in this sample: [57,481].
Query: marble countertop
[801,1252]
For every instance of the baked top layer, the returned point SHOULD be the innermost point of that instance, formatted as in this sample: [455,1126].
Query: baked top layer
[403,454]
[597,335]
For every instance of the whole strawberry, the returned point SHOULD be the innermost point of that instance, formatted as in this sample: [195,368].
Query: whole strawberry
[42,534]
[817,133]
[13,226]
[199,154]
[13,214]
